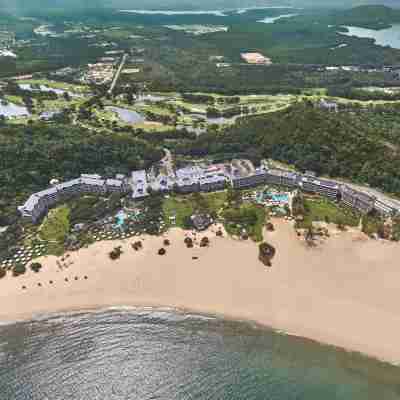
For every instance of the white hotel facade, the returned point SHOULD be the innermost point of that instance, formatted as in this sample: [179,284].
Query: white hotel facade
[239,174]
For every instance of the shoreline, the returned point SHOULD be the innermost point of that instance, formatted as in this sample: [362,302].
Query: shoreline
[308,293]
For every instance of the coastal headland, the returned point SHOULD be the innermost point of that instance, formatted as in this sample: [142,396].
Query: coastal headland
[343,292]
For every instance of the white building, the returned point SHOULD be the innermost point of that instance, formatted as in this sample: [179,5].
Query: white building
[139,184]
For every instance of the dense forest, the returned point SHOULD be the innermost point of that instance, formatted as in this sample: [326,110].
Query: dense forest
[32,155]
[361,145]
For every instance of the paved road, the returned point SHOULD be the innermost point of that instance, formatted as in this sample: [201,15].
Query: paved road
[116,76]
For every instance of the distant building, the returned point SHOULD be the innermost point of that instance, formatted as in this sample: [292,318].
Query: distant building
[256,58]
[328,105]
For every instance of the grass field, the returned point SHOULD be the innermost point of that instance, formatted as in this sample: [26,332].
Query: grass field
[55,228]
[182,207]
[249,218]
[322,210]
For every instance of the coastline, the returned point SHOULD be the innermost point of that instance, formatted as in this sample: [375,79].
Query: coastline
[343,293]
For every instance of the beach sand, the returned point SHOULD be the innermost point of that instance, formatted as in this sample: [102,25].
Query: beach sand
[345,292]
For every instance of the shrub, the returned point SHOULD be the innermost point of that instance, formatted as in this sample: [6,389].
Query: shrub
[19,269]
[116,253]
[266,253]
[205,242]
[270,227]
[189,242]
[36,267]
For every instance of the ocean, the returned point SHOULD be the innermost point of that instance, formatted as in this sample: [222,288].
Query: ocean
[148,354]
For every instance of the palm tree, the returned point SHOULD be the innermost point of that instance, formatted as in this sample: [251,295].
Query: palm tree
[266,253]
[162,252]
[270,227]
[116,253]
[36,267]
[189,242]
[205,242]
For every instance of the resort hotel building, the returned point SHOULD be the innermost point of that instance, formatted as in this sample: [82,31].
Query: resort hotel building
[39,203]
[361,201]
[309,183]
[239,174]
[139,185]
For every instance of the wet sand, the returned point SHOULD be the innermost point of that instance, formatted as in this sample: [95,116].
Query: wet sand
[345,292]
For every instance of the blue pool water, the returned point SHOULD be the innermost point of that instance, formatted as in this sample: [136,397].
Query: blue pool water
[280,197]
[121,217]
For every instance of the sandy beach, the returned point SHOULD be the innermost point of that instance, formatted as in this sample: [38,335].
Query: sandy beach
[345,292]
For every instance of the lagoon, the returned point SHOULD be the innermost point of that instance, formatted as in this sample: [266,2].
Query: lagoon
[128,116]
[12,110]
[271,20]
[184,12]
[383,37]
[44,88]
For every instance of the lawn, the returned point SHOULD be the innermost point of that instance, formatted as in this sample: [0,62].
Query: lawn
[248,217]
[318,210]
[179,207]
[55,228]
[14,99]
[182,207]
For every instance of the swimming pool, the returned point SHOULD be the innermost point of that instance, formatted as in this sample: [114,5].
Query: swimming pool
[281,198]
[121,217]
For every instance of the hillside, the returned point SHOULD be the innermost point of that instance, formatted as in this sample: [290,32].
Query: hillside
[362,146]
[369,16]
[32,155]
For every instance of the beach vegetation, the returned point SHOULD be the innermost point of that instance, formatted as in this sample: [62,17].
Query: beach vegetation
[318,209]
[247,218]
[384,231]
[3,273]
[205,242]
[266,253]
[270,227]
[18,269]
[137,245]
[162,252]
[36,267]
[371,224]
[189,242]
[116,253]
[396,229]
